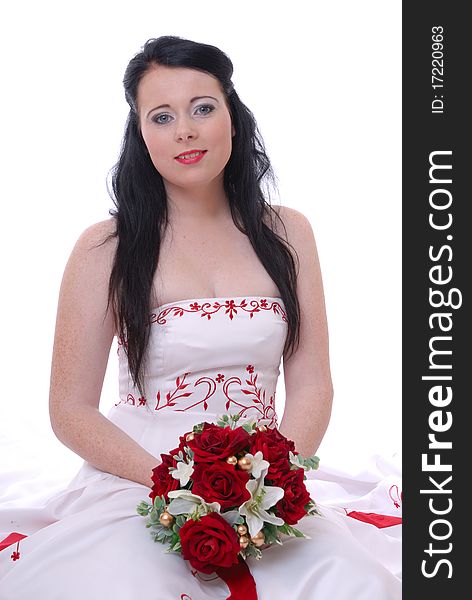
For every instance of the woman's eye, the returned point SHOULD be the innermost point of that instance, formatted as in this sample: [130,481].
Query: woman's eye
[206,106]
[158,119]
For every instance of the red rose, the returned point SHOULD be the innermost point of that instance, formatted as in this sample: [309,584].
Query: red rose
[162,478]
[290,508]
[209,543]
[182,443]
[275,448]
[220,482]
[215,442]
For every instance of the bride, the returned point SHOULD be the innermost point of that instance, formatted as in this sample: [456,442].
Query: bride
[192,236]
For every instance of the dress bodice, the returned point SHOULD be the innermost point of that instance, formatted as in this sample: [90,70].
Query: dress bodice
[206,356]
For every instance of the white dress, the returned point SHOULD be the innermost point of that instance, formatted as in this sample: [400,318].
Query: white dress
[207,356]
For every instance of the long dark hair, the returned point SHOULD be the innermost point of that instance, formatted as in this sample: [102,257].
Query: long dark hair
[141,203]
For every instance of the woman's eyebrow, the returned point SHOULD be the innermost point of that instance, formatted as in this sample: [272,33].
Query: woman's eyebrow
[191,100]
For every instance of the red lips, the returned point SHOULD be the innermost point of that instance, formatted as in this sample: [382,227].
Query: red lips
[189,152]
[190,161]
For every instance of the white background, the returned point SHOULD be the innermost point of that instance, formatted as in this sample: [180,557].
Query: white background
[323,80]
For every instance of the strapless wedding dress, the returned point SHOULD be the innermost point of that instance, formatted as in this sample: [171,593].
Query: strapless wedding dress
[207,356]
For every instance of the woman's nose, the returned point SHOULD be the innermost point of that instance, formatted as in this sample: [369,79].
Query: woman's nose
[185,130]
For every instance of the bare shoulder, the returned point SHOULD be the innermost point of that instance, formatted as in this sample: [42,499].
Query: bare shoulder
[93,252]
[86,275]
[292,219]
[301,238]
[98,235]
[295,228]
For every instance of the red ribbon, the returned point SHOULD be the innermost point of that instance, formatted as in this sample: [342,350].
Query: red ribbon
[376,519]
[239,580]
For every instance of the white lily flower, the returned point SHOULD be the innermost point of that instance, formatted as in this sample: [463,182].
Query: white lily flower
[255,509]
[183,471]
[185,502]
[187,494]
[258,464]
[231,516]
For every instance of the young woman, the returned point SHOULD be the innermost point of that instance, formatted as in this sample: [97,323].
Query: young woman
[206,287]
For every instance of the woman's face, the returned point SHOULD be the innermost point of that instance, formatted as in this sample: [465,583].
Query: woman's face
[182,110]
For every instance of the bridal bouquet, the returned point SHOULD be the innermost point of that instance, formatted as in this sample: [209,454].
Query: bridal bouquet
[226,493]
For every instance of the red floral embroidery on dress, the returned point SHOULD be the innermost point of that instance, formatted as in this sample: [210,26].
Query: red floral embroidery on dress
[207,309]
[130,399]
[396,496]
[13,538]
[121,342]
[264,408]
[172,397]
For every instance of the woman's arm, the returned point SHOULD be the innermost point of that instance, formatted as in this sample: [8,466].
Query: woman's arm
[82,342]
[307,375]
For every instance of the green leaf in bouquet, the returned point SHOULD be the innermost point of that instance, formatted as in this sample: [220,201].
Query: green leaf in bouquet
[252,551]
[143,508]
[270,533]
[279,541]
[234,420]
[300,462]
[228,419]
[156,538]
[180,520]
[283,529]
[198,428]
[195,515]
[312,462]
[175,547]
[159,502]
[291,531]
[249,427]
[168,533]
[299,534]
[159,534]
[190,453]
[164,535]
[312,508]
[154,516]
